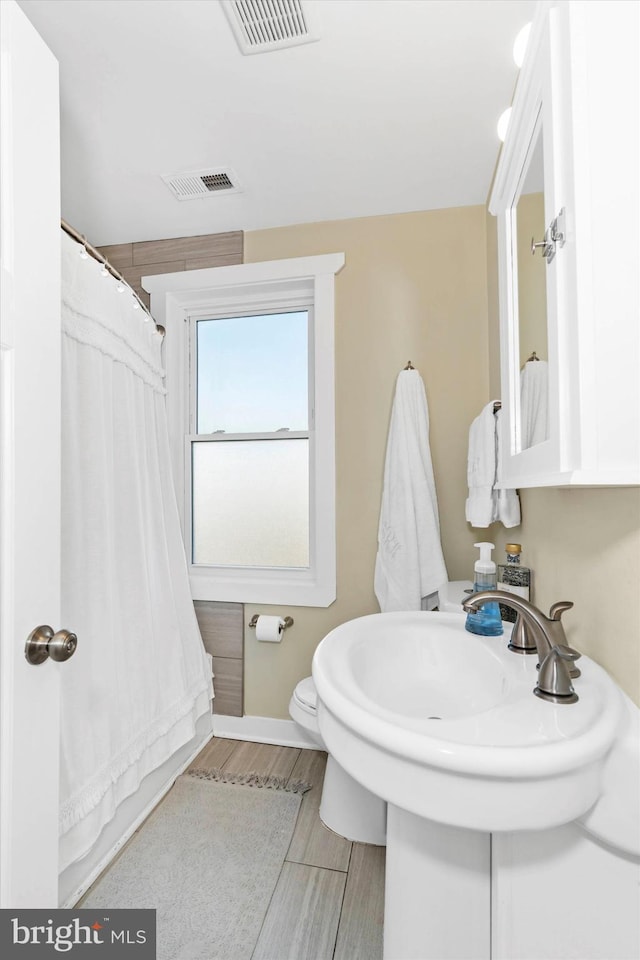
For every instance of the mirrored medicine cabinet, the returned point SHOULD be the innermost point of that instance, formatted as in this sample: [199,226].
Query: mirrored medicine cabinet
[565,197]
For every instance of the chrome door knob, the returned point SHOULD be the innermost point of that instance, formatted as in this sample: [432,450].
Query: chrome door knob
[43,644]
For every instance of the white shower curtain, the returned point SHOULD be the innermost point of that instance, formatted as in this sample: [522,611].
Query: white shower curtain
[139,680]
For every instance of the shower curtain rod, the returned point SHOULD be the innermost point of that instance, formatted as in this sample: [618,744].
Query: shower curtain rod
[112,270]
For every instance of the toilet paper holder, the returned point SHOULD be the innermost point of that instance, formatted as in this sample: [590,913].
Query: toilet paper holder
[286,621]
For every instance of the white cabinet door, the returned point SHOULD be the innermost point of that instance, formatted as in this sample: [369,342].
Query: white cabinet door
[577,97]
[29,462]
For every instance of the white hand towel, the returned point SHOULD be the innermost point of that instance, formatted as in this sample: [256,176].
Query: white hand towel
[481,506]
[508,500]
[534,402]
[409,563]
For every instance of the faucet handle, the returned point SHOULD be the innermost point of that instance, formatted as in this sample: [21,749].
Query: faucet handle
[559,608]
[554,681]
[555,613]
[566,652]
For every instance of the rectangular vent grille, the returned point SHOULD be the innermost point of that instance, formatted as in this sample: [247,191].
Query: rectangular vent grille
[202,183]
[217,181]
[263,25]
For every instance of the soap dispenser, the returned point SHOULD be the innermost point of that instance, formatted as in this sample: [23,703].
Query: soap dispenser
[486,620]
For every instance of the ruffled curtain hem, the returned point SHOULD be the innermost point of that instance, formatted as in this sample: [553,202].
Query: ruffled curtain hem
[84,801]
[83,818]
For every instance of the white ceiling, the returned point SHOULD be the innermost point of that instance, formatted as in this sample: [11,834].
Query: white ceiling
[394,109]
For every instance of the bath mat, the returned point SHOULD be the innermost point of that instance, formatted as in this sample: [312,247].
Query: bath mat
[208,859]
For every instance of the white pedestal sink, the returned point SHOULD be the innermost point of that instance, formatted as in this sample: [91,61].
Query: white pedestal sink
[444,726]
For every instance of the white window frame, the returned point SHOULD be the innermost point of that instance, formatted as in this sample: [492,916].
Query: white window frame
[179,298]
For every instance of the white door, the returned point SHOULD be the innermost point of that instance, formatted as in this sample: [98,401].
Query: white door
[30,461]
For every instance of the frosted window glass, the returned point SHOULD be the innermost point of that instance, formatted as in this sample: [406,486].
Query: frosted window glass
[252,373]
[251,503]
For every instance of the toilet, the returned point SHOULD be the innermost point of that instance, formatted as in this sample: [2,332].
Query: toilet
[452,595]
[347,807]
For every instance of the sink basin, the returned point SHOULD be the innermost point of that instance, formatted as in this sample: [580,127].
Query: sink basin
[448,677]
[444,724]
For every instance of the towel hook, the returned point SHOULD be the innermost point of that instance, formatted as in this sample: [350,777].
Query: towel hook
[409,365]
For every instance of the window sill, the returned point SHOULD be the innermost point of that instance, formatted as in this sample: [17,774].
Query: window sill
[291,588]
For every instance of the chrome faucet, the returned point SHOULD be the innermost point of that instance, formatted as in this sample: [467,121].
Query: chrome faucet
[548,636]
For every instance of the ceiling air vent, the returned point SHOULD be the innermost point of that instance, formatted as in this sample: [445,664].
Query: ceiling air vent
[203,183]
[263,25]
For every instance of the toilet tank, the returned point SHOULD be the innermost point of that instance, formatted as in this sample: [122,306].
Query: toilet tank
[452,595]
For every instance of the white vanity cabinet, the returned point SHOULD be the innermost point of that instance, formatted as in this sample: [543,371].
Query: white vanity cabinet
[570,169]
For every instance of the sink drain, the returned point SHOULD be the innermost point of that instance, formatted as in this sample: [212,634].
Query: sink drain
[434,718]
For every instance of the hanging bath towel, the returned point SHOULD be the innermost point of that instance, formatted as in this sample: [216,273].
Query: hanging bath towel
[508,501]
[534,403]
[409,564]
[487,502]
[481,507]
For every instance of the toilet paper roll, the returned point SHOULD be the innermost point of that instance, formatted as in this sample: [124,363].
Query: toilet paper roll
[269,628]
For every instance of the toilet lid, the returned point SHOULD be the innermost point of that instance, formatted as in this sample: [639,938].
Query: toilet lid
[306,693]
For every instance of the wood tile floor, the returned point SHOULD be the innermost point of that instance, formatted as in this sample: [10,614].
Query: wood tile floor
[329,900]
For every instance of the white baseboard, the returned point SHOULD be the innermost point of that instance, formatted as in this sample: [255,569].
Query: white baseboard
[283,733]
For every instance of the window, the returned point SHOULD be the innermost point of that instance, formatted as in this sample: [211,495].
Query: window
[250,446]
[250,404]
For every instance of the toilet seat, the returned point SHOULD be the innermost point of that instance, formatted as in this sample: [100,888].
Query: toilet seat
[306,694]
[303,709]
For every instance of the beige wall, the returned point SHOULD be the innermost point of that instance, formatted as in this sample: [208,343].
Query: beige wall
[582,545]
[414,287]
